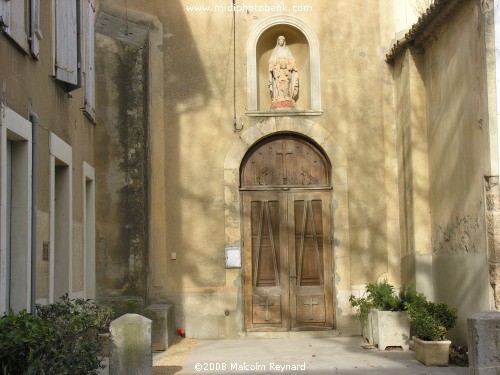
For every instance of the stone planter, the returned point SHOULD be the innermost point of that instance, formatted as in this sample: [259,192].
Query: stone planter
[432,353]
[390,328]
[367,330]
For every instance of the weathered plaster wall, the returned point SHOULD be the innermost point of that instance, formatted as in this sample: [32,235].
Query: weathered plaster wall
[455,80]
[413,172]
[121,149]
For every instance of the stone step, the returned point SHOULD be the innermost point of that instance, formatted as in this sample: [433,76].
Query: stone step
[289,335]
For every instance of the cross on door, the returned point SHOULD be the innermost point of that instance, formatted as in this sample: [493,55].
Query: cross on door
[267,304]
[310,304]
[284,152]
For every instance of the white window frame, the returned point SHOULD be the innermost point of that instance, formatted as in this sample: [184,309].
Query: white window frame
[89,230]
[61,155]
[15,128]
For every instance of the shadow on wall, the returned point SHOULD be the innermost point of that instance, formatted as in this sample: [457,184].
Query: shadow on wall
[122,153]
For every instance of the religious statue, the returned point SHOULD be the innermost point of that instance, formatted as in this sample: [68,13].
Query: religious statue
[283,77]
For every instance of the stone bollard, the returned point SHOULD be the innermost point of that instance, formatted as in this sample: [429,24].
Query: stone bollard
[131,346]
[483,331]
[163,329]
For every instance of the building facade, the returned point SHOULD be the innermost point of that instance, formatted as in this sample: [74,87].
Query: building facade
[47,121]
[254,209]
[252,165]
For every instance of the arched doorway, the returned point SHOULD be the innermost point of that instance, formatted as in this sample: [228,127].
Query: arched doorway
[285,184]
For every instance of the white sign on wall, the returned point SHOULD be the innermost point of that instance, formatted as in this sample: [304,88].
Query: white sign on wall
[233,257]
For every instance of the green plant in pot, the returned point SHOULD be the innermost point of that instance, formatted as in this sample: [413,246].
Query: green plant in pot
[364,306]
[382,314]
[431,322]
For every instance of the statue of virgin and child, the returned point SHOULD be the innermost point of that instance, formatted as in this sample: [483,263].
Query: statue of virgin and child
[283,77]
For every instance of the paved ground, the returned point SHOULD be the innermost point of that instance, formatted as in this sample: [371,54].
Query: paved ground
[329,355]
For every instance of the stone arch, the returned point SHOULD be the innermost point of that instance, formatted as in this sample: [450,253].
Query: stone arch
[314,70]
[339,165]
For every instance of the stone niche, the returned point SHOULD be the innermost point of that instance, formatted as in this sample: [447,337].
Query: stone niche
[297,43]
[304,46]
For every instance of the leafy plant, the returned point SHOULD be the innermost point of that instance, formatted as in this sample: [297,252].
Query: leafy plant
[431,320]
[382,296]
[61,338]
[363,306]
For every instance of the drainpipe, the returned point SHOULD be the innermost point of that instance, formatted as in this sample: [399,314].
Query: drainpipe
[34,187]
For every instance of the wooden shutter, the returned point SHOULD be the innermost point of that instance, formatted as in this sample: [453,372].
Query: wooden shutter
[13,21]
[89,85]
[35,31]
[66,41]
[5,15]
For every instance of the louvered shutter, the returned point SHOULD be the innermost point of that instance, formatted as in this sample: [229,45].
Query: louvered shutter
[35,31]
[66,41]
[89,93]
[5,14]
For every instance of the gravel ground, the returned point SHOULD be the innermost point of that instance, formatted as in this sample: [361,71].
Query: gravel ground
[171,361]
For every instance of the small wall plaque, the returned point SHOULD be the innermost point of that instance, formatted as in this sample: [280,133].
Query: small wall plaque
[233,257]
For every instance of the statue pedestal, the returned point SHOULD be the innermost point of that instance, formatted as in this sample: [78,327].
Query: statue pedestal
[283,105]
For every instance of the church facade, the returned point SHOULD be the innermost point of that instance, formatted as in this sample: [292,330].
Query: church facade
[257,166]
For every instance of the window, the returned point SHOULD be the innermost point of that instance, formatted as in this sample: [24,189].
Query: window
[35,30]
[20,21]
[61,214]
[89,75]
[15,223]
[74,49]
[89,229]
[67,43]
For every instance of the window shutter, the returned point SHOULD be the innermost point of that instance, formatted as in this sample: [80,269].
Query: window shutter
[35,31]
[89,85]
[66,41]
[5,15]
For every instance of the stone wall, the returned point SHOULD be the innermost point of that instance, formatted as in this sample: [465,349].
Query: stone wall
[453,70]
[493,222]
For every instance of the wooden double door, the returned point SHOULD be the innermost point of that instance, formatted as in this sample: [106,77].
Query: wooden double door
[287,259]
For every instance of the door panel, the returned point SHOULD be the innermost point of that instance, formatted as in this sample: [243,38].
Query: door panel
[311,289]
[265,262]
[287,261]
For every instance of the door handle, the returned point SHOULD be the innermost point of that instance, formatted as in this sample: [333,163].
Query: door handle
[292,277]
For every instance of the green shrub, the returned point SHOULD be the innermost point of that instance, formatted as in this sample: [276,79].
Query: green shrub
[382,296]
[431,320]
[363,306]
[61,338]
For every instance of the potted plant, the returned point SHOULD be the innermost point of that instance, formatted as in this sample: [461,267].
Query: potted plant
[387,323]
[364,306]
[431,322]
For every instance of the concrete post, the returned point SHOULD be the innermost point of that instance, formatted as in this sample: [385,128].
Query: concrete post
[484,343]
[131,346]
[163,329]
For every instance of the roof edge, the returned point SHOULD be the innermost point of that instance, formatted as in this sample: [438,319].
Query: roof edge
[427,25]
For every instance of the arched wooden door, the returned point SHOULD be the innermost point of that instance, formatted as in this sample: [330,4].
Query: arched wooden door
[287,232]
